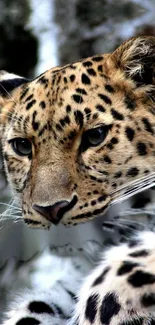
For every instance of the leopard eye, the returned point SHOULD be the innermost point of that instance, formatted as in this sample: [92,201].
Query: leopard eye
[94,137]
[21,146]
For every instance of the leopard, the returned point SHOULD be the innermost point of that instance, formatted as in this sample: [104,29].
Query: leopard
[76,140]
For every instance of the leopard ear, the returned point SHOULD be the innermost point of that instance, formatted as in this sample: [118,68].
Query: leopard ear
[136,57]
[8,82]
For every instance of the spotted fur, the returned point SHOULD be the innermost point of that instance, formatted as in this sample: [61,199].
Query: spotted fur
[125,294]
[75,140]
[58,111]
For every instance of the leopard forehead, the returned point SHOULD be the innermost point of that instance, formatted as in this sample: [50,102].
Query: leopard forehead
[55,111]
[78,96]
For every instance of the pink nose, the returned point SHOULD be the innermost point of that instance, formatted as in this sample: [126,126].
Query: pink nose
[53,213]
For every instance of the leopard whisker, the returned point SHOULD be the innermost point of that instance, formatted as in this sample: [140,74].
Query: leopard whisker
[11,206]
[124,196]
[18,220]
[124,192]
[136,223]
[107,225]
[7,217]
[140,211]
[148,178]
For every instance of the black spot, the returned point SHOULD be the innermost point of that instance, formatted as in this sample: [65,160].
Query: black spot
[102,198]
[58,79]
[62,122]
[114,140]
[107,159]
[85,79]
[30,104]
[93,178]
[132,172]
[91,72]
[88,113]
[81,91]
[78,99]
[35,124]
[147,125]
[95,116]
[72,66]
[118,174]
[42,104]
[141,148]
[40,307]
[129,133]
[139,253]
[28,321]
[148,299]
[89,214]
[109,88]
[68,109]
[101,278]
[116,115]
[97,58]
[29,98]
[93,202]
[91,307]
[65,120]
[87,64]
[100,68]
[32,222]
[100,108]
[24,93]
[72,134]
[105,98]
[109,308]
[140,278]
[130,103]
[126,267]
[79,118]
[72,77]
[42,80]
[110,146]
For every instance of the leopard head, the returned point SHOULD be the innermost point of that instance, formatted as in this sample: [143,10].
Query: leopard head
[78,137]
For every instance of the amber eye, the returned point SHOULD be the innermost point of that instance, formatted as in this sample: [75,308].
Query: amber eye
[21,146]
[94,137]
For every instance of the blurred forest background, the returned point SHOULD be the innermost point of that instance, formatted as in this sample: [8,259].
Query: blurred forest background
[36,35]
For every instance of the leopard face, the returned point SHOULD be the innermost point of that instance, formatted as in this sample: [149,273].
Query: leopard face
[74,136]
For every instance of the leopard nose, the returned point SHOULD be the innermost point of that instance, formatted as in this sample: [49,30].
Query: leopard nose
[53,213]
